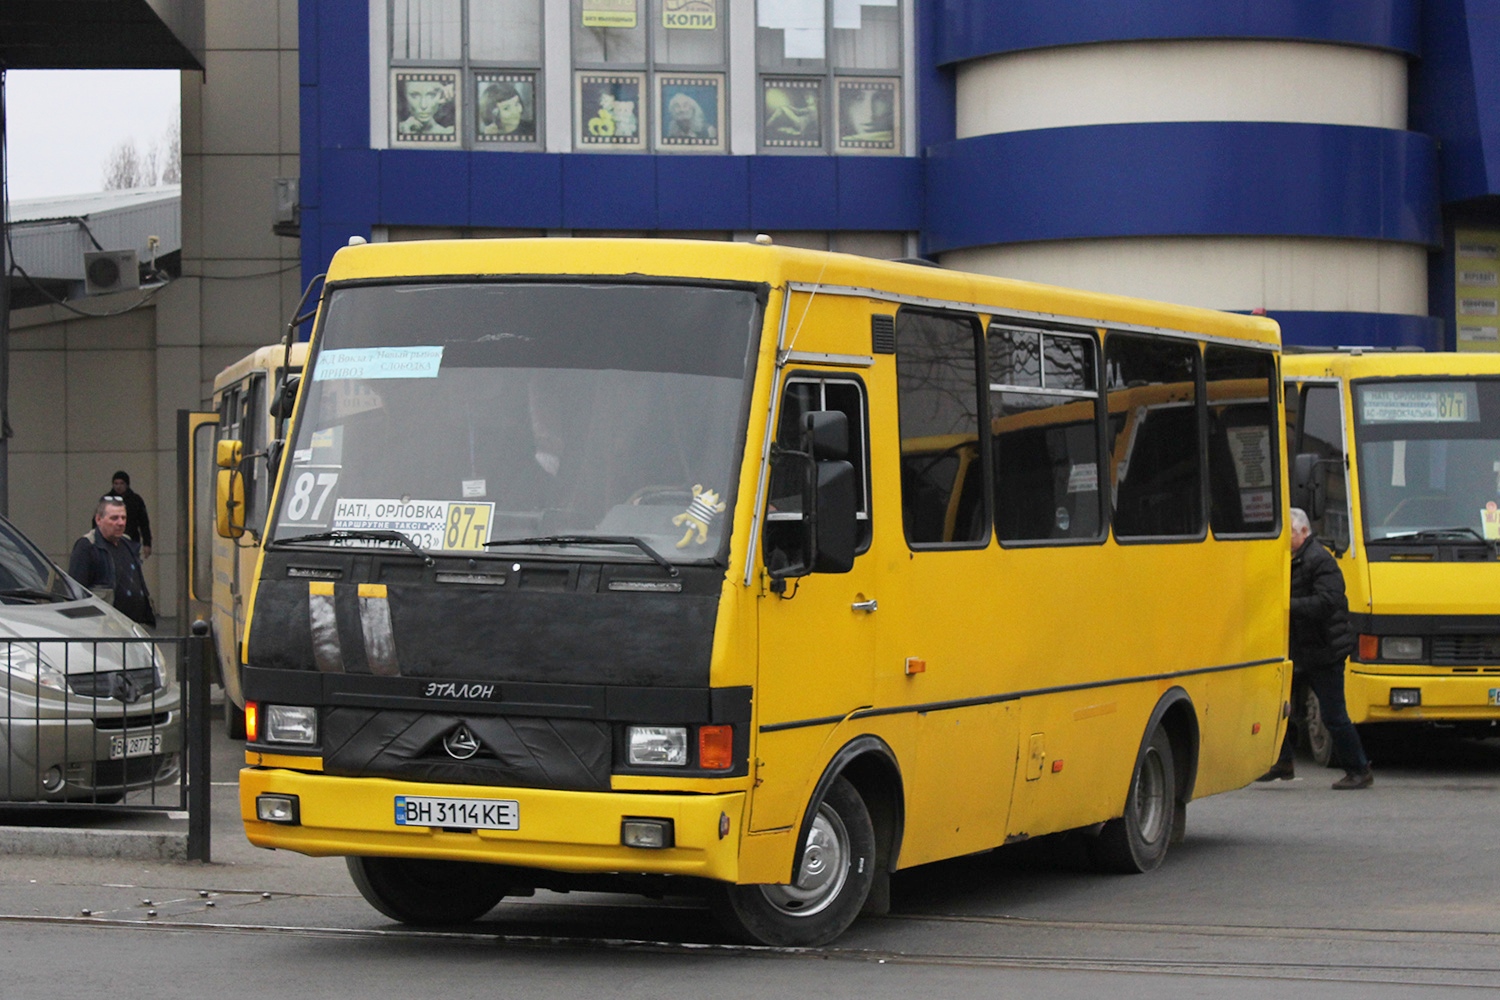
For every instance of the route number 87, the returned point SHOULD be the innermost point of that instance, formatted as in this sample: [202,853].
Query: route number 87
[302,495]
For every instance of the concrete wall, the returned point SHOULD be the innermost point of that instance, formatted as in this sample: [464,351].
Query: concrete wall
[92,395]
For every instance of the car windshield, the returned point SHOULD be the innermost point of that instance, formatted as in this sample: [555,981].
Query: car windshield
[1429,458]
[26,575]
[601,420]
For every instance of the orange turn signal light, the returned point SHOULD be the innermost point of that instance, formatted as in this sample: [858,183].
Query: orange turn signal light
[1255,729]
[252,722]
[716,747]
[1057,766]
[1369,647]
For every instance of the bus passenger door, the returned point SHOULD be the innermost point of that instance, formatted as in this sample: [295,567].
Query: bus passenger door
[817,635]
[195,514]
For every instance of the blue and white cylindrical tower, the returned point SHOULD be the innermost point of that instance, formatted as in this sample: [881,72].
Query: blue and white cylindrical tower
[1212,152]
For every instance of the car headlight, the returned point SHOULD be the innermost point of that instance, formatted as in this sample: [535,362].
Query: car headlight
[140,654]
[21,661]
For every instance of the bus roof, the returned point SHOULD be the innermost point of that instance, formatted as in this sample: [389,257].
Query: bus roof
[1390,364]
[777,266]
[261,359]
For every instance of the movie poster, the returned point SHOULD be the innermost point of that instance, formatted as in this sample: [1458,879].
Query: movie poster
[869,115]
[690,112]
[506,107]
[792,113]
[610,111]
[424,108]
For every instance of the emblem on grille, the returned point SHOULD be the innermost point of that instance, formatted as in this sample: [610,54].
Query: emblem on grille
[461,744]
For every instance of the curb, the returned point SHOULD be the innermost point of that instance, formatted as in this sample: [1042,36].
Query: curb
[146,845]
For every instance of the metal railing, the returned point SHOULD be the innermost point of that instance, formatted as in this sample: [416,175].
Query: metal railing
[107,723]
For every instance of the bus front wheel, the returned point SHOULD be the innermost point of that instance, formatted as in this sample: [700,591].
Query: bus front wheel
[1137,841]
[428,893]
[832,881]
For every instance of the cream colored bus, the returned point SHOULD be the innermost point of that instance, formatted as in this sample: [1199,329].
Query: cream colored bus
[755,571]
[219,568]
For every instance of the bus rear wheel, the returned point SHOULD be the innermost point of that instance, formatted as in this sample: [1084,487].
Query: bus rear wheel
[1137,841]
[832,882]
[1315,736]
[428,893]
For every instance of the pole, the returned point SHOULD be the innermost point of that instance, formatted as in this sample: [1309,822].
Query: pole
[199,738]
[4,310]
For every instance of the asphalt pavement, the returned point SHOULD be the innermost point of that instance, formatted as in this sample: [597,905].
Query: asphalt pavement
[1276,883]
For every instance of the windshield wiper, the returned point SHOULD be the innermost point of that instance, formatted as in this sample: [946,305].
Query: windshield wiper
[34,594]
[1437,535]
[370,534]
[656,556]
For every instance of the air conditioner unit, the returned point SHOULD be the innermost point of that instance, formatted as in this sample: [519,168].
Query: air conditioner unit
[108,271]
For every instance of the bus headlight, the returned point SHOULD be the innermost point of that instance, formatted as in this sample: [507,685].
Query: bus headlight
[657,746]
[291,724]
[1400,647]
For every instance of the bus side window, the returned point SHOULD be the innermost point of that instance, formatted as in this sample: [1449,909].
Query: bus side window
[1044,401]
[1322,434]
[803,395]
[1157,466]
[1242,448]
[938,393]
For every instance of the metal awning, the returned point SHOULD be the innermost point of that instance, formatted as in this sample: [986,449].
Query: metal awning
[101,34]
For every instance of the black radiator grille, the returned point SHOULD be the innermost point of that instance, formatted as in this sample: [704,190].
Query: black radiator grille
[1465,650]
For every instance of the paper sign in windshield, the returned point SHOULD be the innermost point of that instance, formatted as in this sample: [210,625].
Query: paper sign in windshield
[1419,406]
[434,525]
[378,362]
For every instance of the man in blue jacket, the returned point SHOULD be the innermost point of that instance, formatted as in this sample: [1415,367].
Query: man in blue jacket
[1321,640]
[108,562]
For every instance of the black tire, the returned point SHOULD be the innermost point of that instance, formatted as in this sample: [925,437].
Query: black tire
[428,893]
[1315,738]
[833,881]
[1137,842]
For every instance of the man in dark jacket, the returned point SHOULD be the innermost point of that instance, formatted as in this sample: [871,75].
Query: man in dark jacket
[1321,640]
[108,562]
[137,521]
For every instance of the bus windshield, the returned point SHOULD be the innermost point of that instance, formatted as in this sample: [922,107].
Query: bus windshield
[599,420]
[1429,458]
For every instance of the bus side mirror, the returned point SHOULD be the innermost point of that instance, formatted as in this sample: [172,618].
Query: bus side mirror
[229,453]
[825,434]
[229,504]
[286,397]
[829,502]
[1309,489]
[835,528]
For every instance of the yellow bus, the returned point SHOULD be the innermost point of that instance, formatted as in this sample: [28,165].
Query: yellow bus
[1398,459]
[218,568]
[757,571]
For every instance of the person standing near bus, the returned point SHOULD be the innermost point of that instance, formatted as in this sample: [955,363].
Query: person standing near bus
[108,562]
[1321,640]
[137,521]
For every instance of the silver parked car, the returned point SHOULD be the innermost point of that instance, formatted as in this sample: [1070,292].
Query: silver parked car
[89,708]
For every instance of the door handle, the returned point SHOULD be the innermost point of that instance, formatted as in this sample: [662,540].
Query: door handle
[868,607]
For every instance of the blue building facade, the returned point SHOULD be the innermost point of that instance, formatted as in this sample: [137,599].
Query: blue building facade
[1337,165]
